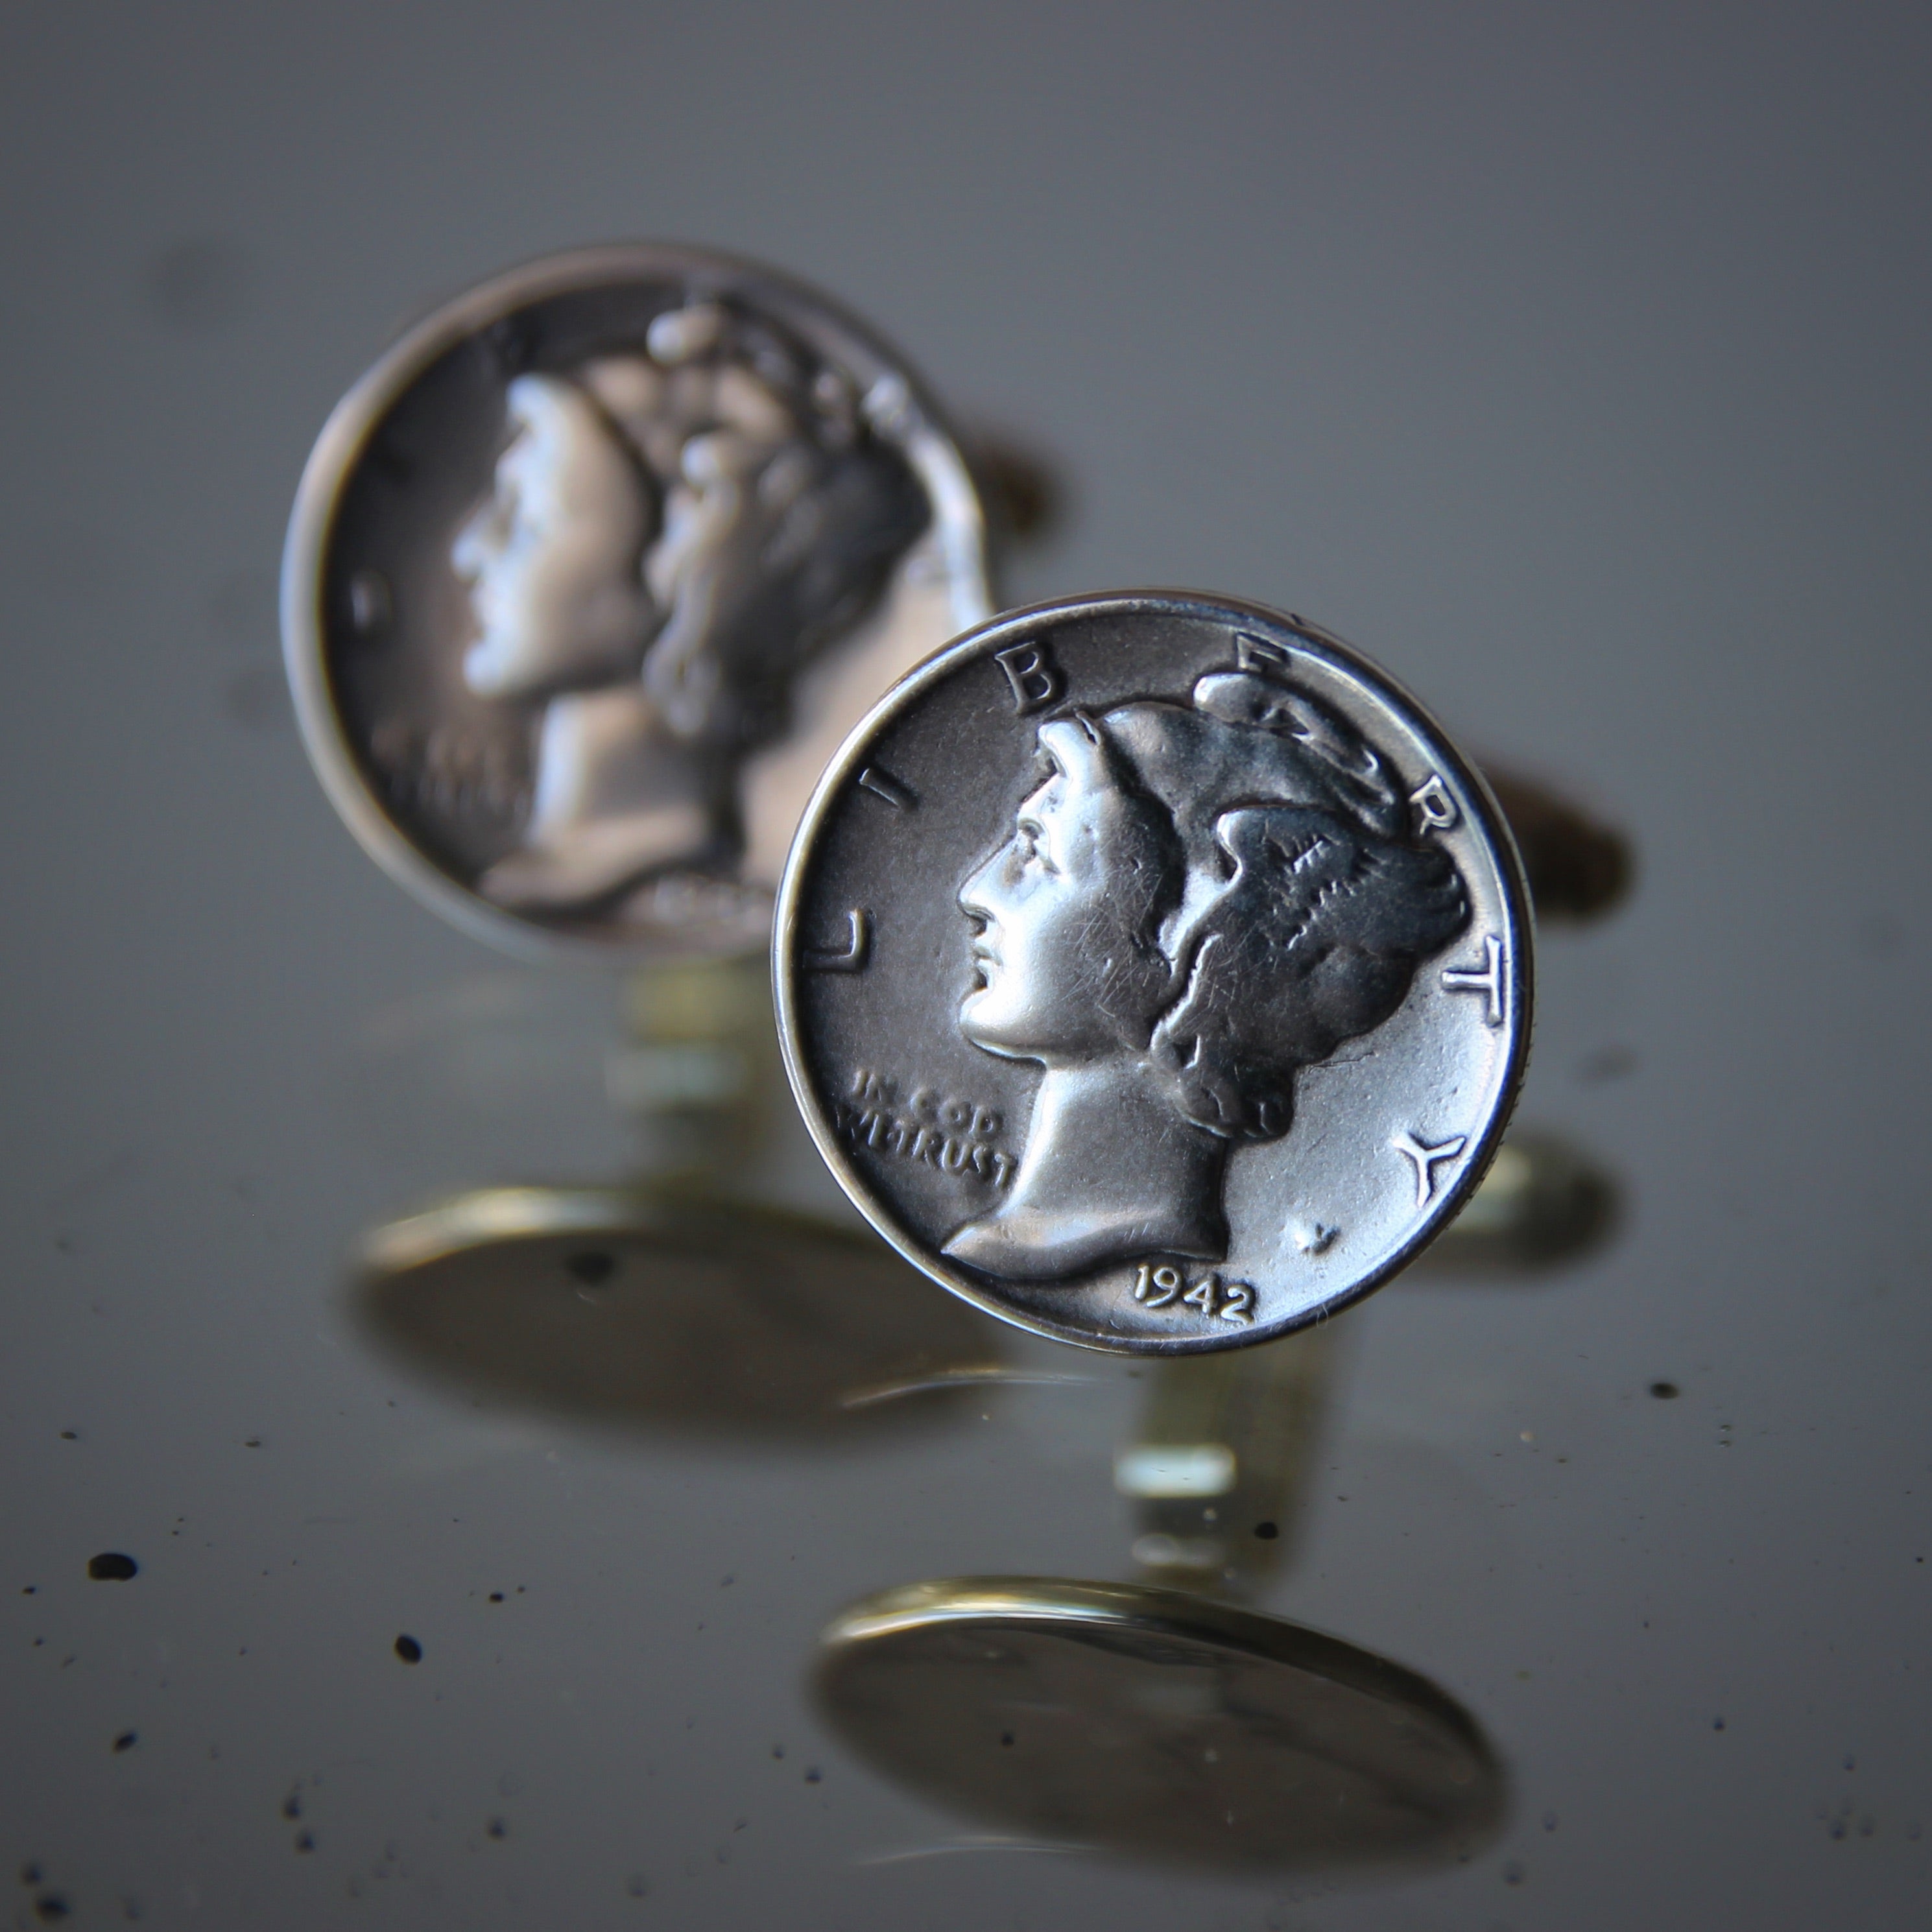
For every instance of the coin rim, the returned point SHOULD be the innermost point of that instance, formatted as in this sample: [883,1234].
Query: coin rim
[1019,625]
[957,511]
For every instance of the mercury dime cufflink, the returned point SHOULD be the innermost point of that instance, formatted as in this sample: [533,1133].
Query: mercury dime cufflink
[1153,972]
[587,578]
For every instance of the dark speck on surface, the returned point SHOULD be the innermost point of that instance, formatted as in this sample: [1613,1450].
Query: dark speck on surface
[496,1596]
[409,1650]
[1006,1737]
[49,1907]
[497,1829]
[1717,1723]
[69,1436]
[304,1841]
[1267,1531]
[30,1874]
[127,1741]
[1664,1391]
[638,1886]
[111,1567]
[813,1776]
[591,1265]
[253,1442]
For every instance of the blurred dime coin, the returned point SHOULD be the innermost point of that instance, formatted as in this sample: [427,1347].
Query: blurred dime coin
[588,575]
[1153,972]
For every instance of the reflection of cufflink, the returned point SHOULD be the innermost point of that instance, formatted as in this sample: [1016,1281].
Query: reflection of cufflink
[670,1315]
[510,809]
[1157,1726]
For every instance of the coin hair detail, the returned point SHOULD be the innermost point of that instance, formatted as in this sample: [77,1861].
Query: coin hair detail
[1322,918]
[1240,907]
[1314,941]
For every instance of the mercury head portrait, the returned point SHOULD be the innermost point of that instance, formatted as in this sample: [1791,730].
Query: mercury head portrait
[669,539]
[1197,900]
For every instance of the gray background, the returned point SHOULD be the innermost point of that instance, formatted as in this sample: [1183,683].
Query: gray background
[1570,358]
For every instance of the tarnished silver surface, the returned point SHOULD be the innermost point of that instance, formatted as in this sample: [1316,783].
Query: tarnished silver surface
[1153,972]
[1107,1717]
[588,575]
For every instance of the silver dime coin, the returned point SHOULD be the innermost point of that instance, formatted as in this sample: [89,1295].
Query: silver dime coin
[1152,971]
[588,575]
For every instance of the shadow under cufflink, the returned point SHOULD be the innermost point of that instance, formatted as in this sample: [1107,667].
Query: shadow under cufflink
[691,1316]
[1542,1206]
[1578,869]
[1024,495]
[1154,1725]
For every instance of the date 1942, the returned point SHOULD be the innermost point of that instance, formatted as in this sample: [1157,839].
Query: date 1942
[1167,1287]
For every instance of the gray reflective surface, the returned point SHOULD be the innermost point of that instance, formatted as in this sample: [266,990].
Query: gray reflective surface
[1581,355]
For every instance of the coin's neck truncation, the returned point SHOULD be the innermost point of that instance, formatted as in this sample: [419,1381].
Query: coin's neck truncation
[618,796]
[1152,1188]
